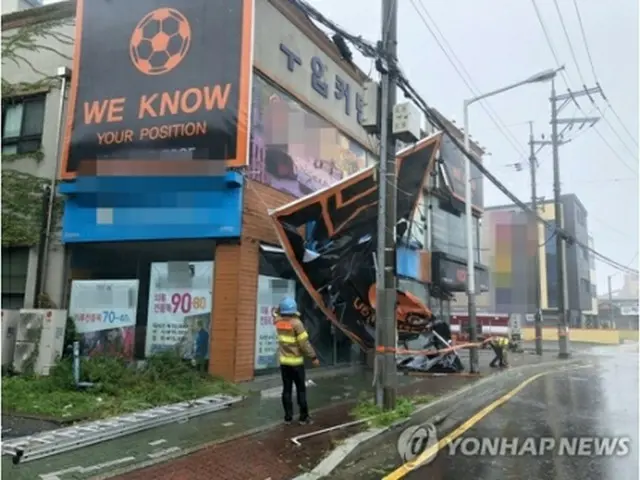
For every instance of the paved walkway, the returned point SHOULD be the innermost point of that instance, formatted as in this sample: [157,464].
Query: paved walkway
[271,455]
[269,451]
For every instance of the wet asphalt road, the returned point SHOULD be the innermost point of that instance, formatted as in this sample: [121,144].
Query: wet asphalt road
[599,400]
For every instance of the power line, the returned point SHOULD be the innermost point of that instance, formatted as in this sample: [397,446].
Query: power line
[593,71]
[566,34]
[547,36]
[410,91]
[486,106]
[567,82]
[367,49]
[584,83]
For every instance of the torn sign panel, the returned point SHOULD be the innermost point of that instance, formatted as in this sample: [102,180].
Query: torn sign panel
[330,240]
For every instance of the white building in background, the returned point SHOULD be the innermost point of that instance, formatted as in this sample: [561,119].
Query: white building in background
[592,315]
[10,6]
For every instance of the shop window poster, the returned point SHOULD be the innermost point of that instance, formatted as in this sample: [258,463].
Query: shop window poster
[104,314]
[270,291]
[294,150]
[179,314]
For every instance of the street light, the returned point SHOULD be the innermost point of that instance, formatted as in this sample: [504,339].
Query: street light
[542,76]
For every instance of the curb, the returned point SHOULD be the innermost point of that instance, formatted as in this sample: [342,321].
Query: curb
[354,446]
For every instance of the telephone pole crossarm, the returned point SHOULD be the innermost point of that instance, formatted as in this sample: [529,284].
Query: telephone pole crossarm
[570,96]
[580,120]
[574,95]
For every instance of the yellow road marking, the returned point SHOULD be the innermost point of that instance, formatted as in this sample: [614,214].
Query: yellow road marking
[408,467]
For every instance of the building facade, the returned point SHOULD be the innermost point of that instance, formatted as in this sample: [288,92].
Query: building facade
[510,241]
[591,315]
[155,255]
[619,308]
[439,226]
[305,107]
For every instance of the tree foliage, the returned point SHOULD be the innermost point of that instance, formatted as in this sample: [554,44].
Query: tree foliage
[22,192]
[40,37]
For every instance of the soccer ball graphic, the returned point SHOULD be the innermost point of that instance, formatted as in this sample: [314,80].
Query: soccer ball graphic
[160,41]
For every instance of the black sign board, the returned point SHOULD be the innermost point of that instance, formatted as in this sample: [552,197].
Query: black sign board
[150,79]
[451,274]
[454,160]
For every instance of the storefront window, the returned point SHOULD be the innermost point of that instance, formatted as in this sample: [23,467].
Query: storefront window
[293,149]
[180,305]
[104,314]
[276,280]
[270,291]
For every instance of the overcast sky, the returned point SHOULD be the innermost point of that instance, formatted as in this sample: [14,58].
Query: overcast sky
[500,42]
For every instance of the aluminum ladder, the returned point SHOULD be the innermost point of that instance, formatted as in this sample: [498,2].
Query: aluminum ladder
[53,442]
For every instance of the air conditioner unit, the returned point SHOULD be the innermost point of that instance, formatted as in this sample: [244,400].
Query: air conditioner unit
[9,324]
[39,340]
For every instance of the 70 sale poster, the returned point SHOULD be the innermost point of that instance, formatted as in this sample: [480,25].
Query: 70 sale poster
[179,313]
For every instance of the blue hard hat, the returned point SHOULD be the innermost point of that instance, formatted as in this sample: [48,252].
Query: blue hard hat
[288,306]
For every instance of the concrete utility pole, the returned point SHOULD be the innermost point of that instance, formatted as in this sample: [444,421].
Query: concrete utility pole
[386,381]
[611,320]
[543,76]
[556,141]
[533,165]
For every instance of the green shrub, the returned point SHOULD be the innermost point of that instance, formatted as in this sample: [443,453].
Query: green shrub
[118,387]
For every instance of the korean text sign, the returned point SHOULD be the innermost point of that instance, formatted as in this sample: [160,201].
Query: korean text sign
[179,314]
[293,149]
[270,291]
[104,313]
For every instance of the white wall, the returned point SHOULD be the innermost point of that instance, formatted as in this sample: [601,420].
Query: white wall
[47,63]
[10,6]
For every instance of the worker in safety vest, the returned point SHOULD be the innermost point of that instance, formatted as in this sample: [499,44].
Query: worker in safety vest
[293,343]
[500,346]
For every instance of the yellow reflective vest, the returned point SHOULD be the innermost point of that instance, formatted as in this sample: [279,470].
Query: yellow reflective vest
[501,342]
[293,341]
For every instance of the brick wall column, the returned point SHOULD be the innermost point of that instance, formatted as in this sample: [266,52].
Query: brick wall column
[233,320]
[234,311]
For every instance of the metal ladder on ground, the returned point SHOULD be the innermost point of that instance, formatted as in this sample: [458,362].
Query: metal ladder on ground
[53,442]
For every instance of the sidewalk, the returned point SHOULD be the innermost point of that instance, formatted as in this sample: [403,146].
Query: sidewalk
[252,417]
[271,454]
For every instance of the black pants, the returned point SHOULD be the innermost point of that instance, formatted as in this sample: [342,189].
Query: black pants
[291,376]
[499,359]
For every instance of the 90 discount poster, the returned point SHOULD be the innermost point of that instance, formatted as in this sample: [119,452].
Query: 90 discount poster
[179,312]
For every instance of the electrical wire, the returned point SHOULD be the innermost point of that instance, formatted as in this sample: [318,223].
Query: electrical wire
[577,64]
[411,93]
[571,50]
[595,76]
[486,106]
[567,82]
[432,116]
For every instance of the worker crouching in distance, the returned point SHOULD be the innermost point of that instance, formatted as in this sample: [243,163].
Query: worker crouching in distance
[293,346]
[500,347]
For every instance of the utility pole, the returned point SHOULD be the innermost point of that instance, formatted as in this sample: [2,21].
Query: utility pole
[556,141]
[611,321]
[533,165]
[386,381]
